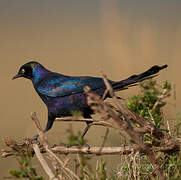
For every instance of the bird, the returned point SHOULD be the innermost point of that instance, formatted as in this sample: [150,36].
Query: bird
[63,94]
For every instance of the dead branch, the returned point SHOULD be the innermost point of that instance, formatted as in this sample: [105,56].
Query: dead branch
[25,146]
[56,162]
[45,145]
[43,162]
[80,119]
[125,150]
[74,118]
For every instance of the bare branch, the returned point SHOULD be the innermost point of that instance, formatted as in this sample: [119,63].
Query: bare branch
[44,164]
[55,160]
[74,150]
[74,118]
[80,119]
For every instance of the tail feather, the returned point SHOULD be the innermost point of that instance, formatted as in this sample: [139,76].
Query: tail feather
[134,79]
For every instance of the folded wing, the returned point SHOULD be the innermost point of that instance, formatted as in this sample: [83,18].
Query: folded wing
[59,86]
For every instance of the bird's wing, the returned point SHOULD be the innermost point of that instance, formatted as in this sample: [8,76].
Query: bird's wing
[59,86]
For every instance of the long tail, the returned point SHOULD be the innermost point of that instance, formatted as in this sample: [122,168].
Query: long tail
[134,79]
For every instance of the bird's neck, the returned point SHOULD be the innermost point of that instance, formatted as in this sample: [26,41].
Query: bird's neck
[39,72]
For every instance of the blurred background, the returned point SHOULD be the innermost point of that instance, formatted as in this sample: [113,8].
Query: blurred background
[120,37]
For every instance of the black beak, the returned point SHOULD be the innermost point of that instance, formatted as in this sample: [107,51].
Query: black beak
[16,76]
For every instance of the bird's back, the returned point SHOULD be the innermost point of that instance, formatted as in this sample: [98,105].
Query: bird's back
[58,85]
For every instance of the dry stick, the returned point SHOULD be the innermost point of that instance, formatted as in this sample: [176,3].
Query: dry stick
[24,147]
[128,128]
[169,143]
[152,119]
[94,150]
[74,118]
[67,169]
[46,145]
[43,162]
[67,159]
[120,121]
[44,140]
[80,119]
[72,150]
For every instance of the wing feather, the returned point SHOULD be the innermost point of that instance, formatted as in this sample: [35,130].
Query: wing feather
[59,86]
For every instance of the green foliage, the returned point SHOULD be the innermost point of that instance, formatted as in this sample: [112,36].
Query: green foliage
[150,101]
[26,170]
[173,166]
[75,139]
[177,131]
[101,170]
[85,169]
[77,113]
[149,104]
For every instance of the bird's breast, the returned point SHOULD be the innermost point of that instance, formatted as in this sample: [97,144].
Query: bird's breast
[64,106]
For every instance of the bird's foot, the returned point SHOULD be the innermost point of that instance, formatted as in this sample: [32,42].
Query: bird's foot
[87,145]
[34,139]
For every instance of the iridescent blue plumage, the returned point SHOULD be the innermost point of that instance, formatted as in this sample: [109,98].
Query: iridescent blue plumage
[57,85]
[64,94]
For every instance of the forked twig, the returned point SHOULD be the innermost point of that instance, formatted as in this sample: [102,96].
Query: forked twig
[47,147]
[43,162]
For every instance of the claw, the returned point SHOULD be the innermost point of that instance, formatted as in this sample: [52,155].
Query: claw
[34,139]
[87,145]
[37,142]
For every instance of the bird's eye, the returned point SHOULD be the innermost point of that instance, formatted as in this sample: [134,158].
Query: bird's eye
[23,71]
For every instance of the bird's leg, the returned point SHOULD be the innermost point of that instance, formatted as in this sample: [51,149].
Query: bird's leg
[35,138]
[49,124]
[88,125]
[48,127]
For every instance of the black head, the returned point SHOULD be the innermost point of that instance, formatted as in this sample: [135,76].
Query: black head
[26,70]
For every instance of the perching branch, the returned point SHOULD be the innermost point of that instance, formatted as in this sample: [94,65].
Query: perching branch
[80,119]
[66,150]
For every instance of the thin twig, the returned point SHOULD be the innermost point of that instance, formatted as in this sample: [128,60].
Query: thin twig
[72,150]
[74,118]
[43,162]
[46,145]
[80,119]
